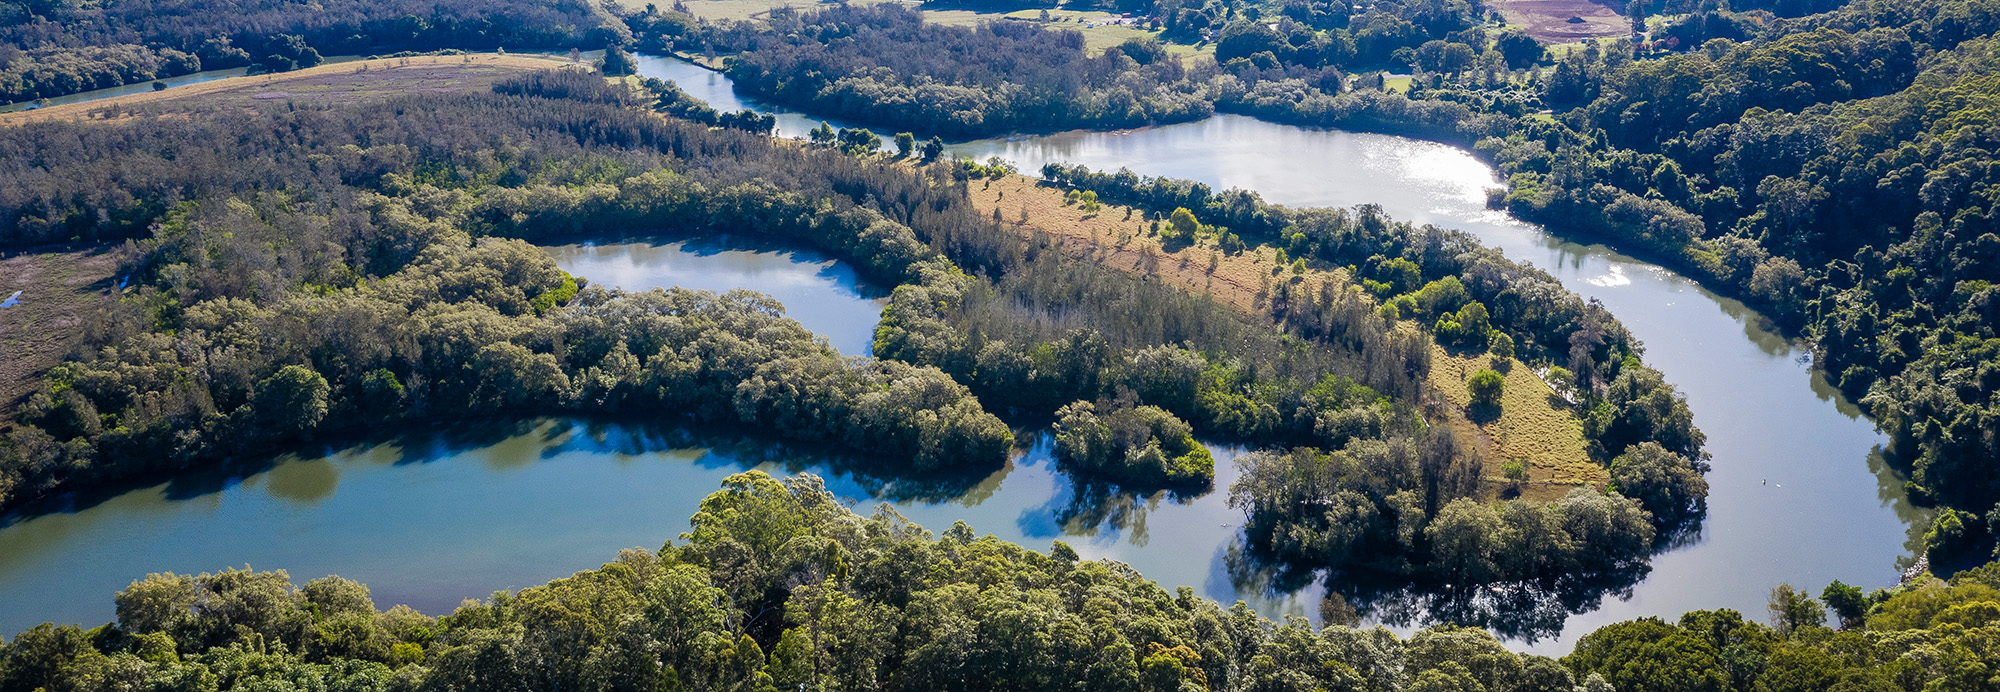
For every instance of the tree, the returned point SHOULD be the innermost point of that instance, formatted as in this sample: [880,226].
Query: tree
[1502,346]
[1520,50]
[617,62]
[292,401]
[1184,223]
[933,148]
[1666,484]
[1647,655]
[1443,57]
[1486,387]
[1847,603]
[1792,609]
[906,144]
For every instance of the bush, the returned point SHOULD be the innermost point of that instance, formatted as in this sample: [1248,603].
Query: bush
[1486,388]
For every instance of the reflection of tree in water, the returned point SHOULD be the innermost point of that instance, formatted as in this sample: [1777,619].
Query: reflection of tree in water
[546,438]
[1094,506]
[718,444]
[1527,611]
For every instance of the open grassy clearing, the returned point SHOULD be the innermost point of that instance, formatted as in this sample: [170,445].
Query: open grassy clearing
[58,289]
[343,83]
[1533,425]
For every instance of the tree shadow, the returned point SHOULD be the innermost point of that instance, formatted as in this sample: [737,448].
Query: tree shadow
[1483,413]
[705,444]
[1528,611]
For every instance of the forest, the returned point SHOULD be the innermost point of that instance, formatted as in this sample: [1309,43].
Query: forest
[777,585]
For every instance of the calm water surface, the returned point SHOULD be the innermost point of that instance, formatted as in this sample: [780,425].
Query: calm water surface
[820,293]
[1798,492]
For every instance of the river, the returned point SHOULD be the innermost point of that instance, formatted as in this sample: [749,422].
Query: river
[1798,492]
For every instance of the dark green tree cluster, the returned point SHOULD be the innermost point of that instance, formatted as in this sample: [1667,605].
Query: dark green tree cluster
[885,65]
[671,100]
[1404,507]
[778,586]
[1138,444]
[52,49]
[49,72]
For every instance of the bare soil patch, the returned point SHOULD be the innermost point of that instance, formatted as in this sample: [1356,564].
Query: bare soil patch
[1549,20]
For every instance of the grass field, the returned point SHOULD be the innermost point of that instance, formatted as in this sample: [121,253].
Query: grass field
[1534,426]
[58,291]
[344,82]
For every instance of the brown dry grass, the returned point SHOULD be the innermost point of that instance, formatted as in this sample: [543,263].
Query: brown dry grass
[1532,426]
[342,82]
[58,291]
[1548,20]
[1117,236]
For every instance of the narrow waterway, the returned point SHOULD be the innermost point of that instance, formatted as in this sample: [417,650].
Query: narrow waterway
[435,516]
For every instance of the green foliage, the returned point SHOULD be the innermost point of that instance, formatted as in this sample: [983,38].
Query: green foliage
[1668,485]
[1487,388]
[1793,609]
[1136,445]
[617,62]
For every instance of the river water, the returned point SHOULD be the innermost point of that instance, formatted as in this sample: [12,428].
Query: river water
[1798,493]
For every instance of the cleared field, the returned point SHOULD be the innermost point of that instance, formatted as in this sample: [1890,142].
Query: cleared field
[58,290]
[1549,20]
[1534,426]
[344,82]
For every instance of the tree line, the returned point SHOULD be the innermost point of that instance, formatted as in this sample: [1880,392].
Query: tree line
[777,585]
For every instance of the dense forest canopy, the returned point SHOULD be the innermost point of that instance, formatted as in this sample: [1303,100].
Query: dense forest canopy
[776,585]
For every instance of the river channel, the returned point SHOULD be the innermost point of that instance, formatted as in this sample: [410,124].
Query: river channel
[1798,493]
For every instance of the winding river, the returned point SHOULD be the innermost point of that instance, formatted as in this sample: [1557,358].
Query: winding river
[1799,491]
